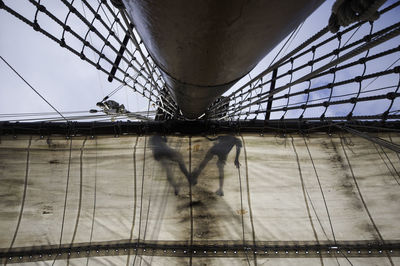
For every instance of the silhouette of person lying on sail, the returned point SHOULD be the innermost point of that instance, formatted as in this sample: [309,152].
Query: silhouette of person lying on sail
[165,155]
[221,148]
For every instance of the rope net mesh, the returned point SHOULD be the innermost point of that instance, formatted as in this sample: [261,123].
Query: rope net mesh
[96,32]
[328,77]
[293,199]
[341,76]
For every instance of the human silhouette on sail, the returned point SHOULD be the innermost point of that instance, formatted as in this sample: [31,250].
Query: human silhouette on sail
[221,148]
[165,155]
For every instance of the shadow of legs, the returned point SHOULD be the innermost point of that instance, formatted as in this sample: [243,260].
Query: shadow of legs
[221,166]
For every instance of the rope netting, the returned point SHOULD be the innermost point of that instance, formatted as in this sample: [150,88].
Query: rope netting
[342,76]
[350,75]
[98,33]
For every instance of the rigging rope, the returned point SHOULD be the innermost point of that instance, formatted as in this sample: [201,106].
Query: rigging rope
[104,46]
[105,28]
[242,99]
[30,86]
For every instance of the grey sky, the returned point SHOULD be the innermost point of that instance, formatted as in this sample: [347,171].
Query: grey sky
[71,84]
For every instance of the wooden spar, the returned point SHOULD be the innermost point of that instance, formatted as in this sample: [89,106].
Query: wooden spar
[204,47]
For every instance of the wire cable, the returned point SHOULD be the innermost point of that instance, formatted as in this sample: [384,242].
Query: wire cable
[27,83]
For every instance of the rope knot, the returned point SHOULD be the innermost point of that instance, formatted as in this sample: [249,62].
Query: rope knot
[391,95]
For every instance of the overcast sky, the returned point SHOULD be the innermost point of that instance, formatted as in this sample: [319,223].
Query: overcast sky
[71,84]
